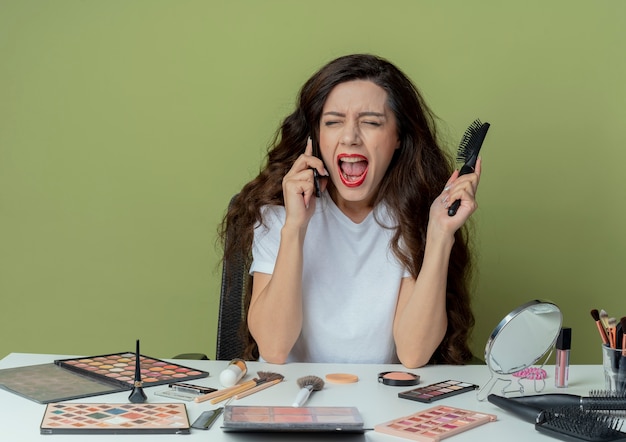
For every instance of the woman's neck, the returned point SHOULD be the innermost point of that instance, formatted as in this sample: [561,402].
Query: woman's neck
[357,211]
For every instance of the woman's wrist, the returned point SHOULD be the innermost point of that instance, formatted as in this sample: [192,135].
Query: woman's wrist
[292,234]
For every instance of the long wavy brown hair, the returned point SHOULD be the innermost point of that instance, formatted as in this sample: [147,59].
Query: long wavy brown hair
[415,177]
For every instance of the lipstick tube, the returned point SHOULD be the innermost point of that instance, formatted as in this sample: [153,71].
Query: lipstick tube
[561,368]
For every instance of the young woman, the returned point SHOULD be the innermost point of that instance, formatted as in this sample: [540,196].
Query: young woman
[374,270]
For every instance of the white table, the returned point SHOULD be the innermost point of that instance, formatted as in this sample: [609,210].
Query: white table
[20,418]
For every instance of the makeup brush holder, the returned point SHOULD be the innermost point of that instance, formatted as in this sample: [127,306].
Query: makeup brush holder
[614,365]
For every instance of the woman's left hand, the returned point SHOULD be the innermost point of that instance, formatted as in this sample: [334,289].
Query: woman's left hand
[458,187]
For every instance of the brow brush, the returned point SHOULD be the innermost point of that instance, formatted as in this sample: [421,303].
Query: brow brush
[468,151]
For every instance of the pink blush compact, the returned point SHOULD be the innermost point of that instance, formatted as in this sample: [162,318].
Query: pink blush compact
[398,378]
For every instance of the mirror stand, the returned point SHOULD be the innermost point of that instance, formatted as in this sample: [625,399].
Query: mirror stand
[514,383]
[519,341]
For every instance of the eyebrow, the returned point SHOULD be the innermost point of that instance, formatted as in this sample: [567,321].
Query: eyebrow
[361,114]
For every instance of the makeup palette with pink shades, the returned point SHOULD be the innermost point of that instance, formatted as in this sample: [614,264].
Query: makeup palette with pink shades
[434,423]
[119,368]
[292,419]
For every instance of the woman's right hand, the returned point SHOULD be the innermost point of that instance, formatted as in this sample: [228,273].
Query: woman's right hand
[299,188]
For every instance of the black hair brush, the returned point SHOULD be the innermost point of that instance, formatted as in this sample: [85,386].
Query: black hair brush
[575,425]
[468,151]
[568,423]
[598,400]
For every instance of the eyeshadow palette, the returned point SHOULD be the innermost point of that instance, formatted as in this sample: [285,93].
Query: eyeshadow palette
[292,419]
[119,369]
[76,378]
[75,418]
[46,383]
[440,390]
[434,423]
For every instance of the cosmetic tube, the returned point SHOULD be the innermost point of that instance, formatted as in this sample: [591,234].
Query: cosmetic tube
[233,373]
[563,346]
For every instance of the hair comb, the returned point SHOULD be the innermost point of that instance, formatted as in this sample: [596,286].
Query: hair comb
[468,151]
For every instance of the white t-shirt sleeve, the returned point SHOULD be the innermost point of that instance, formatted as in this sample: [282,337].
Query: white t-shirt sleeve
[267,240]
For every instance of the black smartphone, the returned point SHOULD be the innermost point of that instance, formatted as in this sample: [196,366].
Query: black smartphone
[316,175]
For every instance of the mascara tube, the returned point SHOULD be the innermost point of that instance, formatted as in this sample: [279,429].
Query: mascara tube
[563,346]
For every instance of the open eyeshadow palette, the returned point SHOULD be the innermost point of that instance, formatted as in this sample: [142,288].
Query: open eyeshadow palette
[435,392]
[119,368]
[75,418]
[76,378]
[292,419]
[434,424]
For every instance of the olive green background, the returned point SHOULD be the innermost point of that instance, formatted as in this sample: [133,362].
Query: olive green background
[126,126]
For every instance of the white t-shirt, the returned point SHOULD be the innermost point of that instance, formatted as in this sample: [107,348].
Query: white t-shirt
[350,283]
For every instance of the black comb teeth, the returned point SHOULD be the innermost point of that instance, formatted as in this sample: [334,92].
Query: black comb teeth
[572,424]
[463,151]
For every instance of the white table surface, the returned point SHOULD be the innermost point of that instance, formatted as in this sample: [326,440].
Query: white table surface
[20,418]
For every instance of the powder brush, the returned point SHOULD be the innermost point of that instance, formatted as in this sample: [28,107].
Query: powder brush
[307,384]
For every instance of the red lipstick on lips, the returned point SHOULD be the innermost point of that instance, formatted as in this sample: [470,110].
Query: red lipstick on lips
[352,169]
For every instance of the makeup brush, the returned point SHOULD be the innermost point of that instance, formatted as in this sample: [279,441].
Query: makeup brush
[258,388]
[621,373]
[263,377]
[468,153]
[604,317]
[137,396]
[596,317]
[307,385]
[612,332]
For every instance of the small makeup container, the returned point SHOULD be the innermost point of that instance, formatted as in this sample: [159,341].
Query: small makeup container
[232,374]
[398,378]
[561,368]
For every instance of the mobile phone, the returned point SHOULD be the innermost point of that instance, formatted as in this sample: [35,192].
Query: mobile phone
[316,175]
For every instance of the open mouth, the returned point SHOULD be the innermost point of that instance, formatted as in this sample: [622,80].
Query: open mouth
[352,169]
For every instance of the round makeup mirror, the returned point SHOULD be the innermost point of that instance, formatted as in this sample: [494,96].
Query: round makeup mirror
[521,339]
